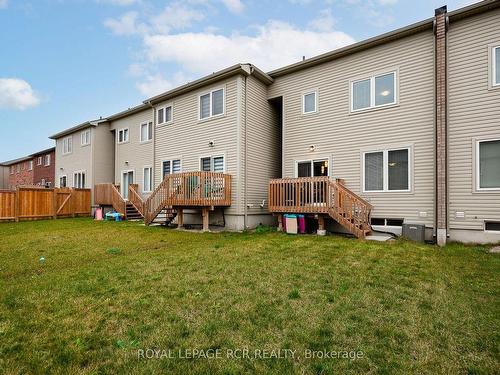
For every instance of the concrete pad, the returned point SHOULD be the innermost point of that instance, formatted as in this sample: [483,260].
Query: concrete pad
[378,237]
[495,250]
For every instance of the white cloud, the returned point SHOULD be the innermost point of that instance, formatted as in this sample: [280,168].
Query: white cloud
[127,24]
[17,94]
[154,84]
[175,17]
[3,4]
[387,2]
[324,22]
[234,6]
[275,44]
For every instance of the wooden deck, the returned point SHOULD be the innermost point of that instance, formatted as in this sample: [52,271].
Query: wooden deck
[205,190]
[322,197]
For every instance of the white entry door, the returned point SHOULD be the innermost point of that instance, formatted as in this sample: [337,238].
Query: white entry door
[127,179]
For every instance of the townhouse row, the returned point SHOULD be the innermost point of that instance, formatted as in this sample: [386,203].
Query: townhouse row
[407,123]
[36,169]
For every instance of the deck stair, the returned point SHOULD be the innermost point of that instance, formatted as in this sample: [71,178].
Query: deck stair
[321,197]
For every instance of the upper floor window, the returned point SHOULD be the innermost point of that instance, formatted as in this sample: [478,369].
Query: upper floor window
[376,91]
[18,168]
[30,165]
[212,164]
[309,102]
[488,165]
[39,160]
[47,160]
[387,170]
[146,131]
[68,145]
[12,169]
[495,59]
[171,166]
[165,115]
[123,135]
[85,137]
[212,104]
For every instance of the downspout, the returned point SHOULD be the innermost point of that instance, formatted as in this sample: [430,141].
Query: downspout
[245,207]
[153,169]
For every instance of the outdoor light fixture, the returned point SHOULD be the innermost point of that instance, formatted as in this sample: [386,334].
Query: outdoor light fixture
[126,162]
[312,148]
[211,143]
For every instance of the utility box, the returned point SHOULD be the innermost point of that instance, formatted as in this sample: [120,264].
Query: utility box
[414,232]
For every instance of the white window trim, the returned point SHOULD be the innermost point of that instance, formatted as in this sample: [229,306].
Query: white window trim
[477,167]
[372,91]
[67,140]
[82,171]
[315,92]
[140,132]
[151,179]
[494,66]
[39,160]
[118,135]
[45,159]
[223,155]
[30,165]
[489,230]
[83,143]
[385,166]
[319,158]
[61,176]
[164,107]
[211,116]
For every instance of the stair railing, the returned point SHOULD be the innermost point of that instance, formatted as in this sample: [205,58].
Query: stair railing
[135,198]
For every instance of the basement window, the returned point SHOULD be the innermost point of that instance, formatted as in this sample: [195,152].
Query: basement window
[387,222]
[492,226]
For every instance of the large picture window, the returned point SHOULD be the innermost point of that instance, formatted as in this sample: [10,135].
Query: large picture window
[488,165]
[372,92]
[387,170]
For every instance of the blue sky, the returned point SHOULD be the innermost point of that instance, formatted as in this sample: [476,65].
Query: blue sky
[63,62]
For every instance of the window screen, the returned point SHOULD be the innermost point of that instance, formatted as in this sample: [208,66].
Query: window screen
[205,106]
[161,116]
[310,102]
[217,102]
[489,164]
[205,164]
[361,94]
[398,169]
[168,114]
[374,171]
[219,164]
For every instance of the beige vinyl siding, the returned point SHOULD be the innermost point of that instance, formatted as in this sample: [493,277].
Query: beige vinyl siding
[80,159]
[263,149]
[187,138]
[137,154]
[474,114]
[103,151]
[341,137]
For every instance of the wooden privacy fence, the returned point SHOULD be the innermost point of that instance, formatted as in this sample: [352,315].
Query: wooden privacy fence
[39,203]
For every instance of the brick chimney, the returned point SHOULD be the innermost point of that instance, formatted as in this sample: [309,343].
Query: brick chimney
[440,41]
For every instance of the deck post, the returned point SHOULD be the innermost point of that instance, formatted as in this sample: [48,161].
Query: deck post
[280,223]
[180,218]
[321,226]
[205,214]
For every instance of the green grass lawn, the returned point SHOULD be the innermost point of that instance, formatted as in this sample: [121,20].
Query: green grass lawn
[109,291]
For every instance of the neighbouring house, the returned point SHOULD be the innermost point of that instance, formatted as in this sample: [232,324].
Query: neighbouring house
[44,167]
[84,155]
[4,177]
[20,171]
[400,129]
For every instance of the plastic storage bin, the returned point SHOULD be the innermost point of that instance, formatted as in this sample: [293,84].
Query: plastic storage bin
[301,222]
[291,223]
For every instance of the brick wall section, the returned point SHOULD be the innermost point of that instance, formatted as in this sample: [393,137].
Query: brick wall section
[44,172]
[441,120]
[23,177]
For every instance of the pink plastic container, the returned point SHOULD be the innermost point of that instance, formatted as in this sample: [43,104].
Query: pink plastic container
[301,223]
[98,213]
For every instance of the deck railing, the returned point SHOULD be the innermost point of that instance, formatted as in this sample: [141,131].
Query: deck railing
[135,198]
[108,194]
[189,189]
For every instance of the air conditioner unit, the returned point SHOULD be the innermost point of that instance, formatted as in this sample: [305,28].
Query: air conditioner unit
[414,232]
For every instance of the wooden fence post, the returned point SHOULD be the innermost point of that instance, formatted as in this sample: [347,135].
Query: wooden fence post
[54,203]
[71,202]
[16,204]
